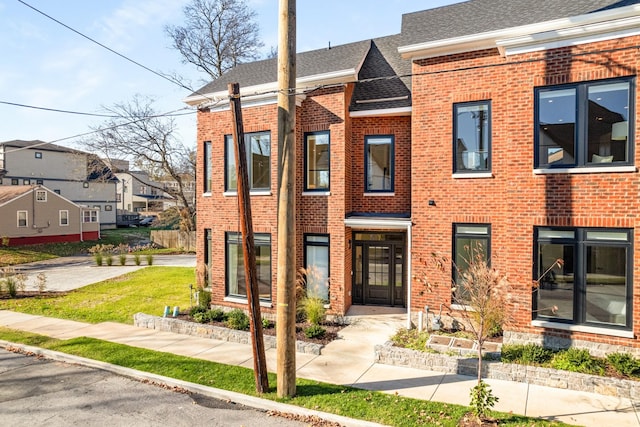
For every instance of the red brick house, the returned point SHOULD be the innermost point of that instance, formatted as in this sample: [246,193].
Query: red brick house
[515,130]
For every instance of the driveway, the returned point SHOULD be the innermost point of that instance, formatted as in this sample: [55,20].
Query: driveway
[68,273]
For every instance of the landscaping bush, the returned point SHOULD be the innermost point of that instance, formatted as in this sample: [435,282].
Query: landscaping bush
[315,331]
[122,258]
[109,259]
[136,259]
[313,310]
[526,354]
[196,310]
[98,258]
[624,364]
[578,360]
[237,319]
[266,323]
[149,259]
[216,315]
[200,317]
[204,298]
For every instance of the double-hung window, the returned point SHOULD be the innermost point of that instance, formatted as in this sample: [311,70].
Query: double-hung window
[584,276]
[64,217]
[471,245]
[258,147]
[23,219]
[316,177]
[587,124]
[316,260]
[235,278]
[472,137]
[379,159]
[208,167]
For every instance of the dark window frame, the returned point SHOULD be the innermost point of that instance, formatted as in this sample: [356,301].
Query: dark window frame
[580,242]
[457,159]
[227,241]
[38,154]
[327,245]
[392,162]
[228,143]
[465,235]
[306,161]
[580,136]
[207,167]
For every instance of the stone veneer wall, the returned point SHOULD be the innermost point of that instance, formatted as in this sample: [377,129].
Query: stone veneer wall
[179,326]
[397,356]
[598,349]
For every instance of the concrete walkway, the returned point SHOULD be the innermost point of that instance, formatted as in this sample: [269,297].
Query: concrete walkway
[349,361]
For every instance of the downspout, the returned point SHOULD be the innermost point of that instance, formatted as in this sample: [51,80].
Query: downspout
[409,275]
[81,219]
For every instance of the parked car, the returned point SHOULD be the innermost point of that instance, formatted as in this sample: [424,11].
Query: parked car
[146,221]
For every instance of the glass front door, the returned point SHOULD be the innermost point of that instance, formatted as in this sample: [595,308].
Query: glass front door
[378,276]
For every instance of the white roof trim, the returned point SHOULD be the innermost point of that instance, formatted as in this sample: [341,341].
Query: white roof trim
[487,40]
[401,111]
[271,89]
[373,223]
[590,33]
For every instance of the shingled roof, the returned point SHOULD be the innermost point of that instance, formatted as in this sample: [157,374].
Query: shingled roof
[41,145]
[480,16]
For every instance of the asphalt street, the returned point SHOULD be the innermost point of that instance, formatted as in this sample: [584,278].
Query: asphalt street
[37,392]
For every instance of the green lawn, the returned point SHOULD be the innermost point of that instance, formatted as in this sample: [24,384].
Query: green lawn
[351,402]
[147,290]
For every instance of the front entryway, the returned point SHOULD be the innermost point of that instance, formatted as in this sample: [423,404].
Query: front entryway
[379,269]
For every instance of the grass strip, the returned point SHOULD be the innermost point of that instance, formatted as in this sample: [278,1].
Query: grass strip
[147,290]
[351,402]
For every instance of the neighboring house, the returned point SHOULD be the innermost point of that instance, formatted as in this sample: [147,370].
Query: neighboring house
[514,133]
[31,214]
[78,176]
[136,192]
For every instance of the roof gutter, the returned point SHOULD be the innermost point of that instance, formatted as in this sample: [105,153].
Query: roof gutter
[492,39]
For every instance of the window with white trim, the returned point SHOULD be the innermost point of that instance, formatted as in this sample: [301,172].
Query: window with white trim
[41,196]
[64,218]
[23,219]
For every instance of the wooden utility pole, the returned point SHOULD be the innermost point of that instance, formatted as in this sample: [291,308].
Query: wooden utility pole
[248,245]
[286,284]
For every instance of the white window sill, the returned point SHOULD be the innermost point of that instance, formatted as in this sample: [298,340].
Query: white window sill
[582,328]
[605,169]
[381,194]
[472,175]
[239,300]
[208,194]
[316,193]
[251,193]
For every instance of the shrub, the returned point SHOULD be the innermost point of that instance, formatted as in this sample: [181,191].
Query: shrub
[196,310]
[41,282]
[12,286]
[482,399]
[136,259]
[5,241]
[313,310]
[200,317]
[315,331]
[204,298]
[98,258]
[149,259]
[266,323]
[237,319]
[109,260]
[216,315]
[625,364]
[526,354]
[578,360]
[410,338]
[123,258]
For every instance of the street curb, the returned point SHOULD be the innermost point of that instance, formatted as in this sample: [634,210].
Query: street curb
[234,397]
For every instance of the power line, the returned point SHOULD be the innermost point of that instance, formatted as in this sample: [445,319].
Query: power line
[56,110]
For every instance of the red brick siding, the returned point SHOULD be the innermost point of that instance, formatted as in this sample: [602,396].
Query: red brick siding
[514,200]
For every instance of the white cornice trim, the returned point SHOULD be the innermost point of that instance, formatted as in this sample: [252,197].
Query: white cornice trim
[270,89]
[402,111]
[488,40]
[377,223]
[591,33]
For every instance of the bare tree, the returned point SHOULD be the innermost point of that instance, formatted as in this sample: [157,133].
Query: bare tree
[140,134]
[217,35]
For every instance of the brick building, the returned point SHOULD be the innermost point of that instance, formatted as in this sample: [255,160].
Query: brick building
[513,130]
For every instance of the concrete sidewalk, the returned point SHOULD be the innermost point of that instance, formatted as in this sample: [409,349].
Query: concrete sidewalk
[349,361]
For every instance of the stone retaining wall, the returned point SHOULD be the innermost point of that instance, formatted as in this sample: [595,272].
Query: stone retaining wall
[397,356]
[179,326]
